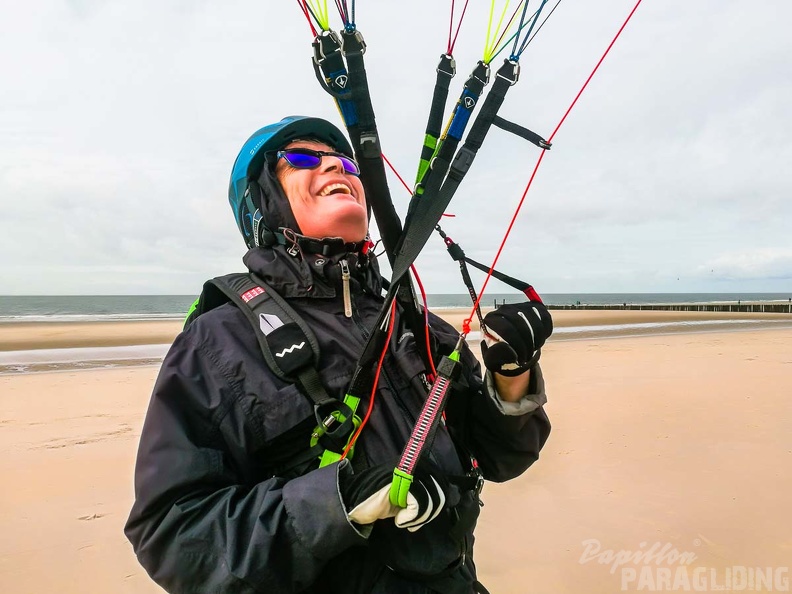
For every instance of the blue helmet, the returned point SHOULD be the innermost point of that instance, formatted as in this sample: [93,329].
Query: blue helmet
[259,204]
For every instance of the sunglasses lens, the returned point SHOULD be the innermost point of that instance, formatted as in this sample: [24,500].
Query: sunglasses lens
[309,160]
[301,160]
[349,165]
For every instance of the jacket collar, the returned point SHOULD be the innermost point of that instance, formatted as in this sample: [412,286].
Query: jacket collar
[293,273]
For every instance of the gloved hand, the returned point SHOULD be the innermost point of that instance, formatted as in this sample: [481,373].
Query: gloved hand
[367,496]
[520,330]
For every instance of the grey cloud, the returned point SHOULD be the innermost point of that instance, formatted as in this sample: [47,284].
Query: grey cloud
[120,121]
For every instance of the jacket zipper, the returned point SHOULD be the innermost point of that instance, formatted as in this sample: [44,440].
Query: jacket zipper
[345,283]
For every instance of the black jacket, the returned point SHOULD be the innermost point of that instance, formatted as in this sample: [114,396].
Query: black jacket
[216,506]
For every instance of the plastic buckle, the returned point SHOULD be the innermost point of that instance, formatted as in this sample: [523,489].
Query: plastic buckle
[369,145]
[481,72]
[515,71]
[334,44]
[447,61]
[358,38]
[463,160]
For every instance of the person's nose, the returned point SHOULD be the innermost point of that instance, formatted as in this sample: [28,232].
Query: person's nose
[331,163]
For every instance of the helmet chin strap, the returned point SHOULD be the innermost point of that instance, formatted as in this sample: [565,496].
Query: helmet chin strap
[266,237]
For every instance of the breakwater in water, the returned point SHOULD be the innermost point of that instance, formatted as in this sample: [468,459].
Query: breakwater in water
[715,307]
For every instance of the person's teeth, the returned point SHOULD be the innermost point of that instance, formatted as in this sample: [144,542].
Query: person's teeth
[333,187]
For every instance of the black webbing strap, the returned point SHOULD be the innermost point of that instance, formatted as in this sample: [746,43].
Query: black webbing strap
[457,253]
[365,139]
[330,69]
[425,210]
[446,70]
[460,116]
[290,350]
[504,278]
[407,249]
[505,78]
[430,207]
[288,345]
[367,144]
[430,185]
[522,132]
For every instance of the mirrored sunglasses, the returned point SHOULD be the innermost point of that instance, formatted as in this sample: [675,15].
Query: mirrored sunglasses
[302,158]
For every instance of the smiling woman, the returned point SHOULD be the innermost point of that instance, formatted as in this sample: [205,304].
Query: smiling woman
[327,198]
[258,469]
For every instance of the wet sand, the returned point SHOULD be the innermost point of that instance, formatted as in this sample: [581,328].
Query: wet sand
[678,439]
[20,336]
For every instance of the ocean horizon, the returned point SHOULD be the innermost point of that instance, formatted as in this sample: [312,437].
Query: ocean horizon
[97,308]
[79,308]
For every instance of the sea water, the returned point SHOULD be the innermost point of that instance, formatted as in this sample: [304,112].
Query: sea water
[157,307]
[15,309]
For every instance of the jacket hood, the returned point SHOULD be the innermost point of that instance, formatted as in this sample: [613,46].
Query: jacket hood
[276,212]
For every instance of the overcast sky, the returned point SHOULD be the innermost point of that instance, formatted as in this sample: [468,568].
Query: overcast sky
[120,121]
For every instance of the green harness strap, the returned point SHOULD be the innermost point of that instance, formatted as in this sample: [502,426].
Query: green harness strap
[329,456]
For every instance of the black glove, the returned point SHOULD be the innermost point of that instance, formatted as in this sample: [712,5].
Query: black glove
[366,495]
[519,330]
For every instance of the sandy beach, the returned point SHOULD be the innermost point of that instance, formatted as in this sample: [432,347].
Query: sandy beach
[19,336]
[676,440]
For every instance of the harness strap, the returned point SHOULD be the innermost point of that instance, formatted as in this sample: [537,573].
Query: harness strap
[522,132]
[291,351]
[332,75]
[430,207]
[458,254]
[455,250]
[452,135]
[425,206]
[365,140]
[446,70]
[334,430]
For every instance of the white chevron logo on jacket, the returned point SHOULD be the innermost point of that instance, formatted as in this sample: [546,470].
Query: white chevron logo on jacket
[290,349]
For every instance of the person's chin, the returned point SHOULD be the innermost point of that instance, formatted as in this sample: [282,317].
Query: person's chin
[347,208]
[347,219]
